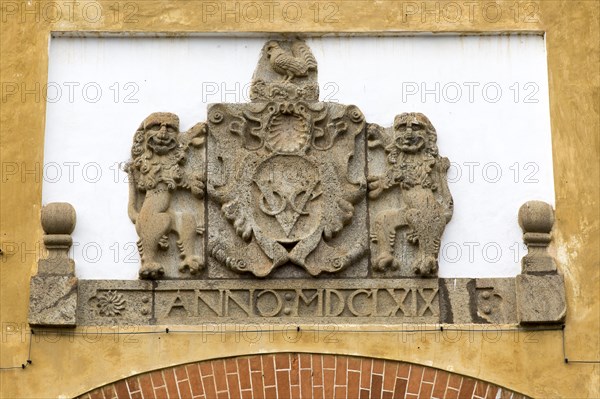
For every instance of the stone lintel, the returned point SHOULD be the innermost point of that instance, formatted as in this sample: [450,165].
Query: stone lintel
[195,302]
[539,299]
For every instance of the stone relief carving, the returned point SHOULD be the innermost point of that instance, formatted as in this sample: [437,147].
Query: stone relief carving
[491,303]
[110,303]
[286,184]
[166,188]
[287,178]
[306,211]
[495,299]
[286,71]
[418,205]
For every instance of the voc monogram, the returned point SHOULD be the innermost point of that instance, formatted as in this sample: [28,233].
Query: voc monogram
[286,192]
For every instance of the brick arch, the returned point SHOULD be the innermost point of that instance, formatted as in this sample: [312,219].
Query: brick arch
[299,375]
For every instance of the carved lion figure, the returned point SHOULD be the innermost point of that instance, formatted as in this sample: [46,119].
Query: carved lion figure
[415,169]
[156,170]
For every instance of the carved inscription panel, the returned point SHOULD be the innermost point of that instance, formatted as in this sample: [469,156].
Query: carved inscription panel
[273,301]
[395,299]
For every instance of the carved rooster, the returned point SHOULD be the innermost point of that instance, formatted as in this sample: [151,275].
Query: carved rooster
[298,63]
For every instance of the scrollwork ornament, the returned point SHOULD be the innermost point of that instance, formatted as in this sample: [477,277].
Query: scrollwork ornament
[355,114]
[216,117]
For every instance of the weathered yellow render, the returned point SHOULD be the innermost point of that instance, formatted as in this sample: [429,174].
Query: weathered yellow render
[530,363]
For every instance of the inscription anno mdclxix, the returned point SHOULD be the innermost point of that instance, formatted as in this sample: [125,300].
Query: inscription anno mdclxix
[297,300]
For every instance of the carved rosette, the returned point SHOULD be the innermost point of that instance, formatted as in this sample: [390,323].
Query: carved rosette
[110,303]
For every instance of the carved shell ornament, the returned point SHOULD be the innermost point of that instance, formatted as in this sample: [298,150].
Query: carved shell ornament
[288,129]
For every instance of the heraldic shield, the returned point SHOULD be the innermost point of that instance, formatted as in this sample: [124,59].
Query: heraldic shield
[286,175]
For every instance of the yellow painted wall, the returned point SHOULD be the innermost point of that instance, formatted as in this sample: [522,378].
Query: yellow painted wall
[529,363]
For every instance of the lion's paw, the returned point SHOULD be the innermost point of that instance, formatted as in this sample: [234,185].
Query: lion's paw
[384,262]
[412,237]
[151,271]
[163,242]
[427,266]
[193,263]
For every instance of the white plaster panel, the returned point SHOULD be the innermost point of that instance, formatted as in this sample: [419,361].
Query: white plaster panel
[487,96]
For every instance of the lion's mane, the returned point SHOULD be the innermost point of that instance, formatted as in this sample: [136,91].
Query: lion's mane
[149,169]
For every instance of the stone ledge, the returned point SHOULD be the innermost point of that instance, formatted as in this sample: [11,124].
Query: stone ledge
[300,301]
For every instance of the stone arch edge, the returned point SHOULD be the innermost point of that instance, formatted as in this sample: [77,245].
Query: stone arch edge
[378,377]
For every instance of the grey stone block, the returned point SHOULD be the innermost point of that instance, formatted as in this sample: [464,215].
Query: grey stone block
[455,300]
[479,301]
[541,299]
[495,300]
[56,266]
[53,301]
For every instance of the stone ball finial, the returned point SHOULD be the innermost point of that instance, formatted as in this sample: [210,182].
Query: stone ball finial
[58,218]
[536,217]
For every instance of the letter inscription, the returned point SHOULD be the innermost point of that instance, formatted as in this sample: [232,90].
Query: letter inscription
[392,301]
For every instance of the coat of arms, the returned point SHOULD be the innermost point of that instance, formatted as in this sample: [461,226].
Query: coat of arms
[285,174]
[279,186]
